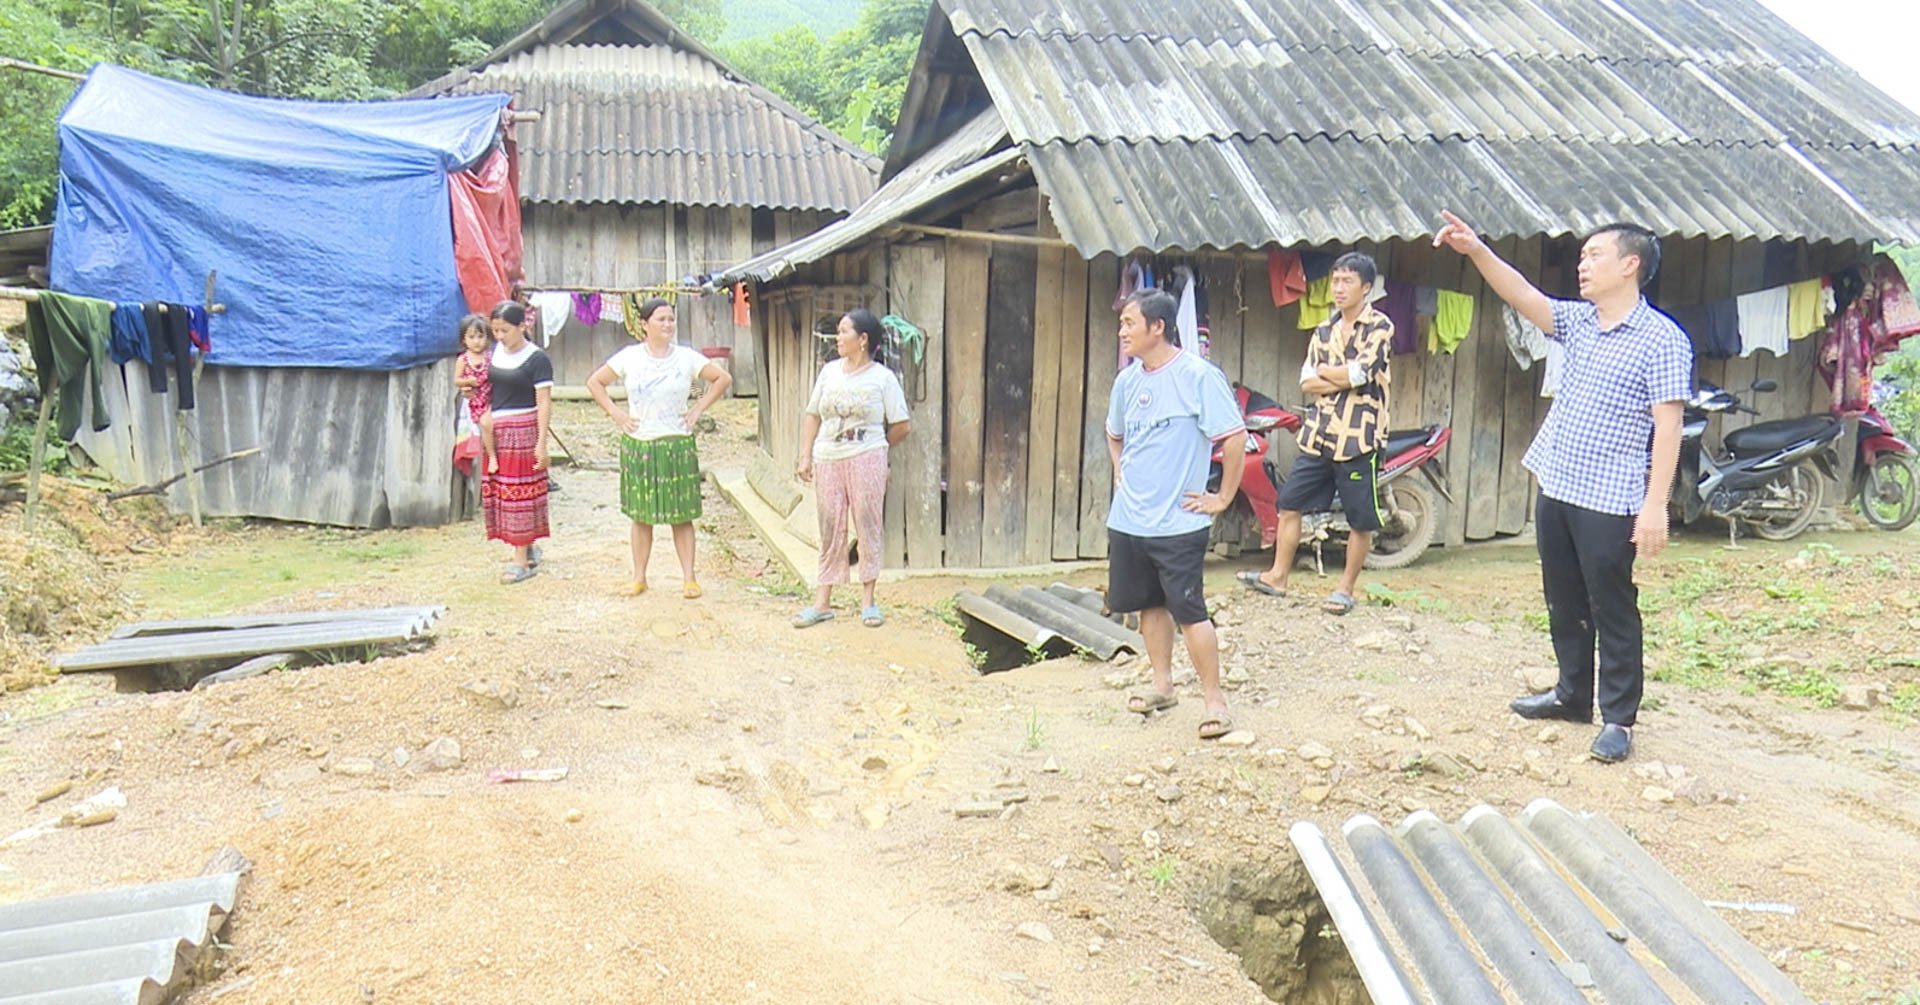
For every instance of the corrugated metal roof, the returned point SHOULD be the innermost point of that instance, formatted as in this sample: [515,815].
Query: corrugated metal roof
[649,123]
[1542,905]
[131,945]
[1057,620]
[1189,129]
[965,157]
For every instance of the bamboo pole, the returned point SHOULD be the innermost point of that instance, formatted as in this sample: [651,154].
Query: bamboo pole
[21,64]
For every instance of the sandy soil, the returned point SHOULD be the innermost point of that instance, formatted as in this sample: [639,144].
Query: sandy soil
[758,814]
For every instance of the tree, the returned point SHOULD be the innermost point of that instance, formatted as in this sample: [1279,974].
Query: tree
[855,81]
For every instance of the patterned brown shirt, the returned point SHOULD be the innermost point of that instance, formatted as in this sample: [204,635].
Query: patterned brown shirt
[1353,421]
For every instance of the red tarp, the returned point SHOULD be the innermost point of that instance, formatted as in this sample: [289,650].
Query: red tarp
[486,227]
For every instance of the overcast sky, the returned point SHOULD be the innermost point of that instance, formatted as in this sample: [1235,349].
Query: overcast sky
[1879,38]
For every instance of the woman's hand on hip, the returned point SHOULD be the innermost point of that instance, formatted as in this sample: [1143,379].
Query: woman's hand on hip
[691,419]
[626,421]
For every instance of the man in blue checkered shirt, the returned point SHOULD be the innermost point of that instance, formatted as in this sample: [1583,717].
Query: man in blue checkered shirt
[1605,460]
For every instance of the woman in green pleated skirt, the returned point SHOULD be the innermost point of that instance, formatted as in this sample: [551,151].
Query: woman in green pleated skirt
[659,467]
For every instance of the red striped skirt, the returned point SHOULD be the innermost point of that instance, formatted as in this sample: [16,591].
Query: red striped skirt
[513,500]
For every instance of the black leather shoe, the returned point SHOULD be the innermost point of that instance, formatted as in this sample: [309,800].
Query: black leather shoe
[1613,744]
[1548,706]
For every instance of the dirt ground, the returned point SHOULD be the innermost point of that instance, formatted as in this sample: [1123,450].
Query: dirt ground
[757,814]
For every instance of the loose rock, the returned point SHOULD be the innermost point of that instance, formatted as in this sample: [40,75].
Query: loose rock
[1656,794]
[1857,697]
[1316,794]
[487,694]
[1238,738]
[1311,751]
[352,767]
[1134,780]
[574,816]
[442,754]
[977,809]
[1016,876]
[1420,732]
[1539,680]
[1167,793]
[1034,930]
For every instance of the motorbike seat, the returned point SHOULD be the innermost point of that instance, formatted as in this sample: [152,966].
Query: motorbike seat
[1767,437]
[1399,441]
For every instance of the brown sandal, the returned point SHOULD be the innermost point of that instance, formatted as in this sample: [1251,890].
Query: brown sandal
[1215,726]
[1151,702]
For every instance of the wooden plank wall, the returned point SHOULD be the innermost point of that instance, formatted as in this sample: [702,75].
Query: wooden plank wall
[626,246]
[1022,360]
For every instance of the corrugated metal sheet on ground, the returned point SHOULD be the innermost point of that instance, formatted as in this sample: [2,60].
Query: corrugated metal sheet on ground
[132,945]
[963,158]
[351,448]
[234,638]
[1058,620]
[1220,123]
[1536,909]
[652,124]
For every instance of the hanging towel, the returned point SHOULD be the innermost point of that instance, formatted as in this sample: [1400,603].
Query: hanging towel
[630,317]
[586,307]
[1316,264]
[1286,278]
[171,329]
[197,329]
[68,336]
[1426,301]
[553,308]
[1763,321]
[1806,308]
[128,338]
[742,310]
[611,309]
[1530,345]
[1317,306]
[1187,318]
[1397,305]
[1899,315]
[1131,278]
[1452,321]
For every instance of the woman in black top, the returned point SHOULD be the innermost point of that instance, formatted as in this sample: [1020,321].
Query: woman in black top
[513,496]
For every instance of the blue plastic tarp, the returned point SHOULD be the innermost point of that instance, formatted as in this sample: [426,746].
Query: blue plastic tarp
[328,222]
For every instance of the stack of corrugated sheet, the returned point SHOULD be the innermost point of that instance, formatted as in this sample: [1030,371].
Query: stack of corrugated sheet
[1057,621]
[1554,902]
[211,640]
[134,945]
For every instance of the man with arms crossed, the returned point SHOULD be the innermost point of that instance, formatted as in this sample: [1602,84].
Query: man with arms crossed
[1605,460]
[1340,441]
[1169,408]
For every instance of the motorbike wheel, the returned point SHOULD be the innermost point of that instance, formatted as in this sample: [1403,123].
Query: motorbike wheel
[1412,519]
[1888,492]
[1806,488]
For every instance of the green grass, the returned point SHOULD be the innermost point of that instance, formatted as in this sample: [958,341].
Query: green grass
[1161,873]
[1036,730]
[272,563]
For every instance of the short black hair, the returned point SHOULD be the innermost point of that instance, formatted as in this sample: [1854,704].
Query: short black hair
[1637,241]
[650,305]
[1360,264]
[1157,305]
[509,311]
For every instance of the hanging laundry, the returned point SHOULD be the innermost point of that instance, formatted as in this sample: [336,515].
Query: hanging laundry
[1187,318]
[1397,305]
[127,338]
[1530,345]
[68,336]
[551,309]
[1899,315]
[170,336]
[1286,277]
[1317,305]
[198,329]
[1131,279]
[1452,321]
[742,311]
[1846,360]
[611,309]
[630,317]
[586,308]
[1763,321]
[1713,328]
[1426,301]
[1316,264]
[1806,308]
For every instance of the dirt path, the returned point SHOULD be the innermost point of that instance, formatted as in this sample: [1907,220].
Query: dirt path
[758,814]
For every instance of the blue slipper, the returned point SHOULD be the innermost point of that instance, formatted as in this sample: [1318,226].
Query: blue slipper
[872,617]
[1337,603]
[810,616]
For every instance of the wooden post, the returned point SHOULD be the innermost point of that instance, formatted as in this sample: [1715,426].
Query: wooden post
[182,435]
[38,461]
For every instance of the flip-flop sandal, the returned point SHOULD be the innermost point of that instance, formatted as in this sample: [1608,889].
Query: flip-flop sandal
[1252,581]
[809,617]
[516,574]
[1151,702]
[872,617]
[1215,726]
[1337,604]
[691,591]
[633,589]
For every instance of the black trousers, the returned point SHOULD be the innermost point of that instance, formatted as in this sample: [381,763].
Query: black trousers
[1586,566]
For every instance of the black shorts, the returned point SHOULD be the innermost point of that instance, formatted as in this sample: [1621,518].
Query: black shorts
[1148,572]
[1314,481]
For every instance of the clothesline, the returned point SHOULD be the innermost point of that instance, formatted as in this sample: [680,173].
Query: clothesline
[620,290]
[26,295]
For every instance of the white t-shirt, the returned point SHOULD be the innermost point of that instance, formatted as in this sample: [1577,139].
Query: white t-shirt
[854,409]
[657,388]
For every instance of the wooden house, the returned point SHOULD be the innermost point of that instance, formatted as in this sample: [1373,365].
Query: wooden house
[649,160]
[1037,150]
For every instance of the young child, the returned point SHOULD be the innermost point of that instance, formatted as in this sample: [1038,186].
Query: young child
[476,391]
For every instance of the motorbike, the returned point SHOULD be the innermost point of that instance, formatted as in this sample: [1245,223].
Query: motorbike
[1409,513]
[1886,474]
[1769,477]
